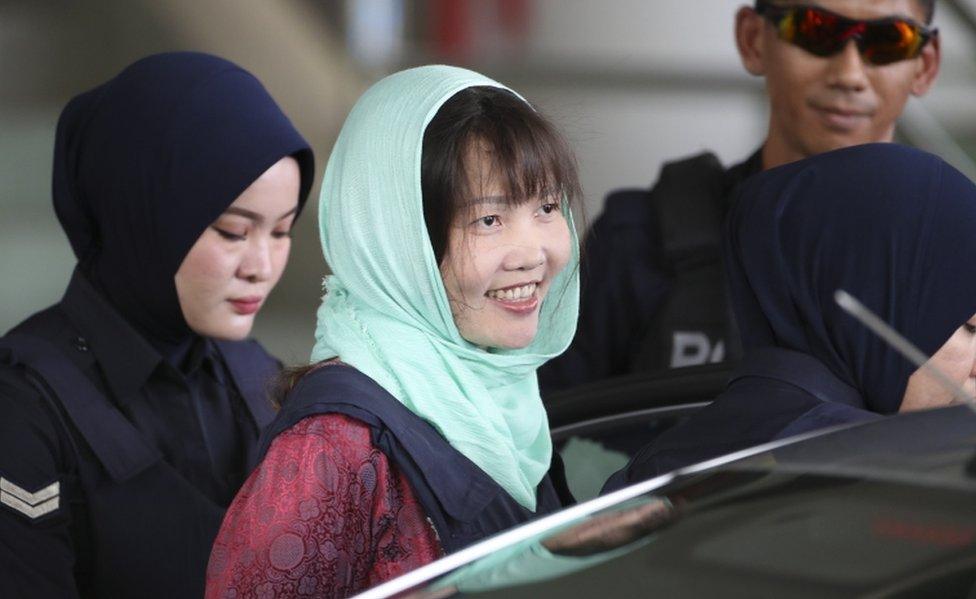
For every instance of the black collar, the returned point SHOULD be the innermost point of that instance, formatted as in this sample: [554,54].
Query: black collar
[125,357]
[195,353]
[742,171]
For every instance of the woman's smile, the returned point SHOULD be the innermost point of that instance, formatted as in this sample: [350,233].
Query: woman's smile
[519,299]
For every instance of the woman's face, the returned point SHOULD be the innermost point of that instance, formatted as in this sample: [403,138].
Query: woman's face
[501,259]
[237,261]
[957,360]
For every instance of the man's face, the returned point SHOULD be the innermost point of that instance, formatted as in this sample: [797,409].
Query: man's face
[819,103]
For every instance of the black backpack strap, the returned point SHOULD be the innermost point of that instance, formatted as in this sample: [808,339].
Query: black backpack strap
[694,325]
[800,370]
[118,445]
[688,200]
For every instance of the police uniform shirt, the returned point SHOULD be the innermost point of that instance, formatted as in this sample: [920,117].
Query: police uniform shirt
[191,412]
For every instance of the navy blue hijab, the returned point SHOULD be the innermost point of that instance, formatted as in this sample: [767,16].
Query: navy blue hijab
[145,162]
[893,226]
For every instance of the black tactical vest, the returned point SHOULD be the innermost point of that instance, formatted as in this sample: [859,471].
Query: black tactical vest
[141,529]
[463,503]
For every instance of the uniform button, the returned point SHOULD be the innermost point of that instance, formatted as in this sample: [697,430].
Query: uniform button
[81,344]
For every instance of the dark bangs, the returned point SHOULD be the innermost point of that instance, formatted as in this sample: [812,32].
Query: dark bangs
[528,156]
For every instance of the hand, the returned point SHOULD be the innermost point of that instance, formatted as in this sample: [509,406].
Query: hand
[610,531]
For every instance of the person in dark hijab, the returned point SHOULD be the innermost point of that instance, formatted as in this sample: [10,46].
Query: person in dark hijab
[894,227]
[129,410]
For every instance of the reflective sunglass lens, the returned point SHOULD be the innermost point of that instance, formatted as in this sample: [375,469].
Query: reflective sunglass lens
[891,42]
[818,32]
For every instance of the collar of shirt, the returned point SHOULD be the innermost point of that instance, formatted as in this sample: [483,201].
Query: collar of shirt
[196,353]
[742,171]
[125,357]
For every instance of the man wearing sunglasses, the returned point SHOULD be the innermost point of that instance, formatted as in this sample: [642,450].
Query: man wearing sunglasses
[833,79]
[838,73]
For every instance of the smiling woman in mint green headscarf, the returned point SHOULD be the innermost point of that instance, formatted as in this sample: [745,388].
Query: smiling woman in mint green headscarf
[418,428]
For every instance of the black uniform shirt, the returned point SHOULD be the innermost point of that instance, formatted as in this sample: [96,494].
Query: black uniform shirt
[192,413]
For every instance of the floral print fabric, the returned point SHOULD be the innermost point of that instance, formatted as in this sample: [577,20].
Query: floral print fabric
[324,515]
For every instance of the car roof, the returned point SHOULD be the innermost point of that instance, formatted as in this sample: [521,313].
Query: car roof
[885,461]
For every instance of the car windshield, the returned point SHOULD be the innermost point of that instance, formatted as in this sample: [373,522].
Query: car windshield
[883,508]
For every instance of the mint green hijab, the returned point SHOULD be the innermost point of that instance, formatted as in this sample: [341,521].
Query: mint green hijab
[386,312]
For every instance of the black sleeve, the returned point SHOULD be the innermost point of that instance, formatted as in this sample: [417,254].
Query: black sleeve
[623,284]
[752,411]
[37,553]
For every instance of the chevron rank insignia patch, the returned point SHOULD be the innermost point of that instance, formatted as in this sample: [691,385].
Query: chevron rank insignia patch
[33,505]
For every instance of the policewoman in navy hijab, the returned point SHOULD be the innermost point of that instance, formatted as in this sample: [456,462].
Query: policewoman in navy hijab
[893,226]
[129,409]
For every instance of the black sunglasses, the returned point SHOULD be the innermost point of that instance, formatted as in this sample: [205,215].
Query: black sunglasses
[823,33]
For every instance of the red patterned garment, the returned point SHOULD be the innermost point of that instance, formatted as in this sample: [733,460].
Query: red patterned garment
[324,515]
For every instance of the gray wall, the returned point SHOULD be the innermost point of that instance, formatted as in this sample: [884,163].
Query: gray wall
[627,80]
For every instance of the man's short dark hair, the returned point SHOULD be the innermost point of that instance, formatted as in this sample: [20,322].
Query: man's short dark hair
[928,8]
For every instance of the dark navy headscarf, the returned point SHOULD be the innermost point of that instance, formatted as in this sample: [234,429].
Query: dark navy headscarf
[145,162]
[894,226]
